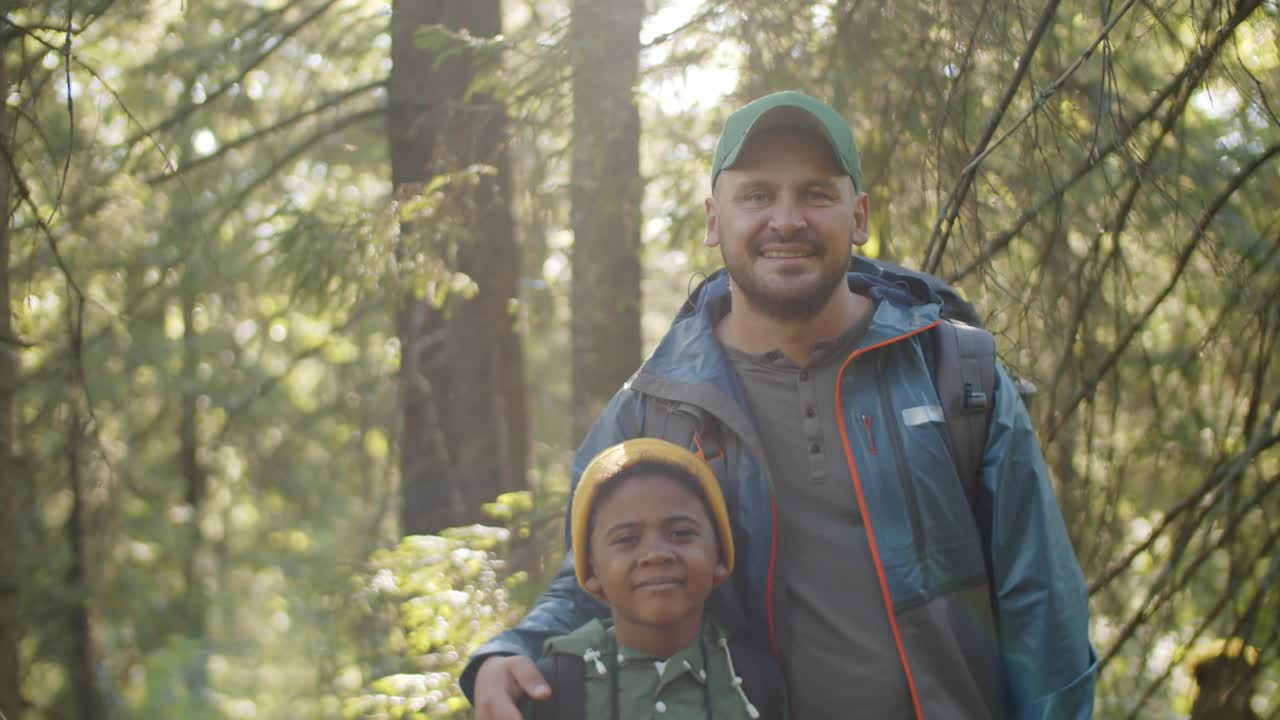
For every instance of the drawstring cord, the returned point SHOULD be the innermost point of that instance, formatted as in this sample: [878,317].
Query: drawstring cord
[614,690]
[593,656]
[737,681]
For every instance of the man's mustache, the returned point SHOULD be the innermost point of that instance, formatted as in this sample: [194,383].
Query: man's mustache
[804,237]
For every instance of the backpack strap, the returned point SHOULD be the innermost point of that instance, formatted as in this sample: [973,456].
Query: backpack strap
[964,375]
[691,427]
[685,425]
[566,674]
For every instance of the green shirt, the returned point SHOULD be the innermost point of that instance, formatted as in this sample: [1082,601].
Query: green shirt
[650,687]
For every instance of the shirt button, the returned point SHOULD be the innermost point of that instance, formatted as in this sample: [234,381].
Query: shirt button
[660,706]
[810,412]
[815,448]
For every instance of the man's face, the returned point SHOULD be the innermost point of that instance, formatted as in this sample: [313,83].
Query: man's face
[654,557]
[785,217]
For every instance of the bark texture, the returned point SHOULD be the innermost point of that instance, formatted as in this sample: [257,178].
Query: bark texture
[462,368]
[9,633]
[606,194]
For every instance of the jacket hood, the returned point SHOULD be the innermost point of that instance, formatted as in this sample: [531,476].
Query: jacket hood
[689,353]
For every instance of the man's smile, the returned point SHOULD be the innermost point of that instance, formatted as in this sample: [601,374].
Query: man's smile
[772,246]
[776,254]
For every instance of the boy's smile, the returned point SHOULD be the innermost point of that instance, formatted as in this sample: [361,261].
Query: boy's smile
[653,555]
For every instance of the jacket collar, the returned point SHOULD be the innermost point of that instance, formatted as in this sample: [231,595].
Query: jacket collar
[690,353]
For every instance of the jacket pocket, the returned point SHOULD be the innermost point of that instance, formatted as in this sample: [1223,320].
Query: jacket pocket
[951,552]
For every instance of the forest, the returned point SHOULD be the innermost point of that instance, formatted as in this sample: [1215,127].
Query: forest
[305,305]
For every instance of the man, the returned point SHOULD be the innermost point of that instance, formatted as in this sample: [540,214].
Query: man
[862,563]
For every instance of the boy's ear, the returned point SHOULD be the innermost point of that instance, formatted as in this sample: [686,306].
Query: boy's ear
[719,575]
[592,582]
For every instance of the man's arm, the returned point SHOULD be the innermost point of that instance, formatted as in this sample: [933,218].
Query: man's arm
[1041,599]
[563,607]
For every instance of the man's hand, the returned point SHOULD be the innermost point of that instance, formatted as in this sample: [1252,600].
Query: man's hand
[501,682]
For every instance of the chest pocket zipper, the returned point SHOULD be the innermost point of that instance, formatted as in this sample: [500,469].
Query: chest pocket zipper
[904,472]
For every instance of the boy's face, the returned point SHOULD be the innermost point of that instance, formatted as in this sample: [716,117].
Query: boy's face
[654,557]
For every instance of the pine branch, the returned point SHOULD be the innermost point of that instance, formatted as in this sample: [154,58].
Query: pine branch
[1187,78]
[961,71]
[190,108]
[1089,387]
[951,210]
[261,133]
[1159,594]
[71,114]
[1224,599]
[1204,497]
[293,154]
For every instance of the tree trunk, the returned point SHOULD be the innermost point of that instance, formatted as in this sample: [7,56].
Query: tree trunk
[606,193]
[464,437]
[9,632]
[80,661]
[194,603]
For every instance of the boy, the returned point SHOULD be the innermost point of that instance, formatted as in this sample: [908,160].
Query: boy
[651,538]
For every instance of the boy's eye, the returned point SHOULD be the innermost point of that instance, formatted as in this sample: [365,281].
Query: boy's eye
[684,533]
[624,540]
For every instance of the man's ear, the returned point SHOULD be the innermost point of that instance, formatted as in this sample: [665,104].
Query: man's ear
[713,223]
[719,575]
[861,230]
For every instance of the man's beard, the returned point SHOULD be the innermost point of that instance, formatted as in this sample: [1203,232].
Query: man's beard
[786,305]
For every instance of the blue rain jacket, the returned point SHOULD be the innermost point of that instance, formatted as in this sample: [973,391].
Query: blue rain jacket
[989,606]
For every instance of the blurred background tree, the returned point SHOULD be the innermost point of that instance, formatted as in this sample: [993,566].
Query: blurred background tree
[286,281]
[605,196]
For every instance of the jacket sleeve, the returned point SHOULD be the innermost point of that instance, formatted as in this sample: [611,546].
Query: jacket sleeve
[1041,599]
[564,606]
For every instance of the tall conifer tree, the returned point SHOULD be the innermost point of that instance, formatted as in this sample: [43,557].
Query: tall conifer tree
[606,193]
[8,476]
[462,368]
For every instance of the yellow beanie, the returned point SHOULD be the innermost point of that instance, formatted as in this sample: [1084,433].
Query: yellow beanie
[613,461]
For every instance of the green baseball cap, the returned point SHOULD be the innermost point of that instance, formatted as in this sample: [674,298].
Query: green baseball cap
[787,108]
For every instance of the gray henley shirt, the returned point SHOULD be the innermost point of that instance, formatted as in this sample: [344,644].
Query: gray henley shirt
[838,650]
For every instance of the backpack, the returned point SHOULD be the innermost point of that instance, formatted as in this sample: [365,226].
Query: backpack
[566,674]
[961,356]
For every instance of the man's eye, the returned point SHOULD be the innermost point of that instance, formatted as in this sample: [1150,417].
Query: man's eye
[625,540]
[756,197]
[820,196]
[684,533]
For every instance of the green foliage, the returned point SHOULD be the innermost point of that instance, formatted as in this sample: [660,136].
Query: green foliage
[483,54]
[436,598]
[207,311]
